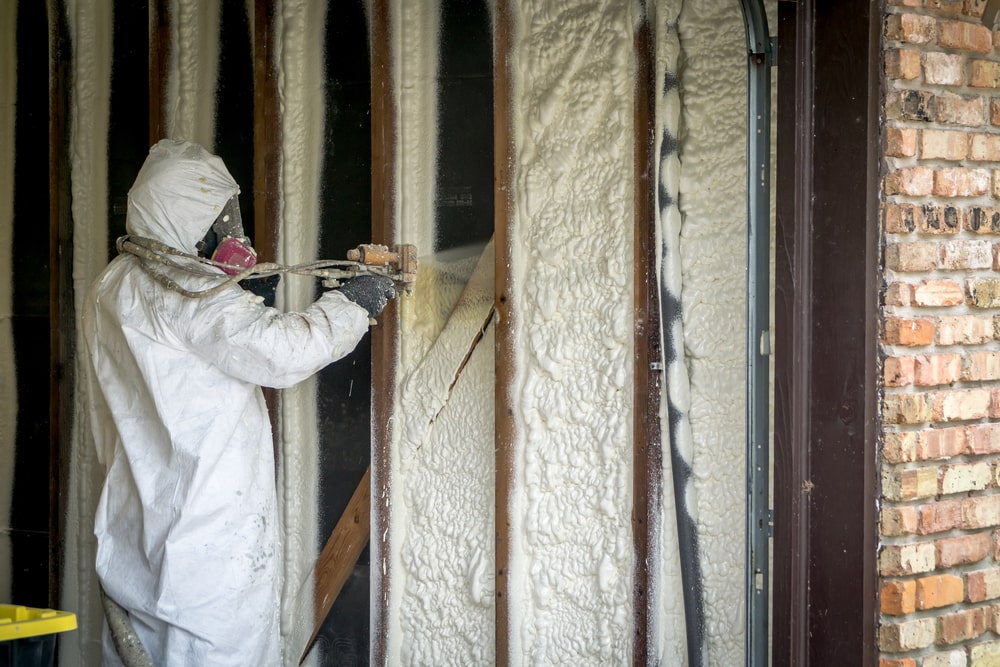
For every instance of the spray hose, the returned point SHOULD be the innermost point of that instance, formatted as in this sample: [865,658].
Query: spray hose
[399,264]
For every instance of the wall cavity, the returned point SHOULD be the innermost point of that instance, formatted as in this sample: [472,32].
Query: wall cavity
[572,243]
[90,28]
[301,28]
[193,68]
[8,369]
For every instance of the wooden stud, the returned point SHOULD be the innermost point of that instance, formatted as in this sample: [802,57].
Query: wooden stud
[504,353]
[266,157]
[61,318]
[159,57]
[647,446]
[385,341]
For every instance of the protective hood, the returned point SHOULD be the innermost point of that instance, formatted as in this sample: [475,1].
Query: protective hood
[178,194]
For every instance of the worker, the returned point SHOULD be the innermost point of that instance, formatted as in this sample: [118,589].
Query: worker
[187,523]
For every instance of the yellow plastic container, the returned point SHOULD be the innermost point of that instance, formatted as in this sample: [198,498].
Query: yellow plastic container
[27,635]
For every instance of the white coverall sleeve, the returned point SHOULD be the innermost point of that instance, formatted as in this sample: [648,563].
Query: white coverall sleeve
[262,345]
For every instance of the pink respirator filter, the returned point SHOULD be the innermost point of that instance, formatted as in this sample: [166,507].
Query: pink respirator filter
[236,254]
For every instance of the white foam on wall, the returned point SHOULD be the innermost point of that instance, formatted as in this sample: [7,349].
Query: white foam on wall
[713,200]
[668,641]
[8,368]
[413,39]
[90,28]
[301,89]
[445,479]
[193,70]
[571,565]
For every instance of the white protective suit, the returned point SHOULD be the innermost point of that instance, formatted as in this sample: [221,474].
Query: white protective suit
[187,521]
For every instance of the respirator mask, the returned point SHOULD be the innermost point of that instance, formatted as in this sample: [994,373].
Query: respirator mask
[225,241]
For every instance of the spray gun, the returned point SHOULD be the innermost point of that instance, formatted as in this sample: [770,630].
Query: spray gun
[399,264]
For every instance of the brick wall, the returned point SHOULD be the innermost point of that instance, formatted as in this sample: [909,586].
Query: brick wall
[939,558]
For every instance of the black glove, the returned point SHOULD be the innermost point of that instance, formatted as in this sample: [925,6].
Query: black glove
[370,291]
[262,287]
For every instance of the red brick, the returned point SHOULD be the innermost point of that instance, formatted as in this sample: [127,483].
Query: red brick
[921,105]
[965,36]
[984,74]
[944,69]
[903,218]
[939,590]
[936,369]
[982,439]
[994,620]
[897,662]
[983,585]
[983,292]
[962,626]
[906,409]
[974,8]
[909,483]
[995,112]
[898,294]
[937,517]
[975,254]
[898,597]
[940,443]
[956,182]
[953,658]
[910,332]
[980,512]
[950,7]
[898,371]
[980,365]
[938,293]
[943,145]
[912,256]
[962,330]
[900,142]
[962,550]
[983,220]
[994,403]
[945,108]
[899,446]
[905,559]
[903,64]
[960,405]
[911,28]
[915,181]
[898,521]
[984,147]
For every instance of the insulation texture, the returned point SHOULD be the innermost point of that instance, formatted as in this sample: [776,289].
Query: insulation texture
[446,479]
[90,26]
[301,89]
[8,370]
[669,642]
[194,66]
[712,243]
[442,584]
[571,563]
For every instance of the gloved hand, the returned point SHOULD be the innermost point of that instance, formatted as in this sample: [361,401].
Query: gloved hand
[370,291]
[262,287]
